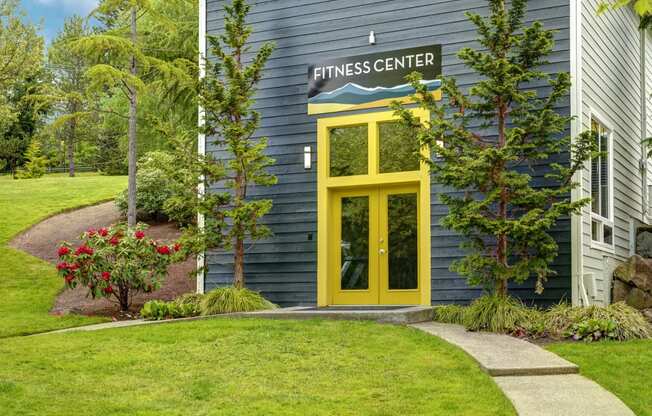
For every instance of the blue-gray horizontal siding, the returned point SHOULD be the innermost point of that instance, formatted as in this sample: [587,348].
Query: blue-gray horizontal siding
[305,31]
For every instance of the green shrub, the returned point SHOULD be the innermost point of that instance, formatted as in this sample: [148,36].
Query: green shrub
[450,314]
[36,164]
[231,299]
[152,186]
[579,322]
[502,314]
[182,307]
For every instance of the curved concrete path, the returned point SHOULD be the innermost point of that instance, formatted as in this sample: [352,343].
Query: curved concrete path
[538,382]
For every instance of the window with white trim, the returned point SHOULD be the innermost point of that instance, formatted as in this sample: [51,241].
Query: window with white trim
[602,227]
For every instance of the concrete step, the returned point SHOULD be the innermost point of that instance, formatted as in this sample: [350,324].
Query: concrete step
[392,315]
[501,355]
[560,395]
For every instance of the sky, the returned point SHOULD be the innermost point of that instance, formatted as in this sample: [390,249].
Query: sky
[51,13]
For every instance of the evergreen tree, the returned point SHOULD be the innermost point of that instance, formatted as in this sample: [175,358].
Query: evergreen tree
[226,96]
[122,64]
[72,106]
[36,164]
[505,218]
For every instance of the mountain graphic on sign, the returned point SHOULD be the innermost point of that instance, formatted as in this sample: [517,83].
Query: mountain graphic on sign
[352,93]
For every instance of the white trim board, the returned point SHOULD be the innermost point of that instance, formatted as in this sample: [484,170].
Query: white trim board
[201,139]
[577,236]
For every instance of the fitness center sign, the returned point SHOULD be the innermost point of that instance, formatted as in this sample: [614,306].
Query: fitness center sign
[373,80]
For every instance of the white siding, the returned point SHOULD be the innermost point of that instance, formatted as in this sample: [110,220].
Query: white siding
[611,88]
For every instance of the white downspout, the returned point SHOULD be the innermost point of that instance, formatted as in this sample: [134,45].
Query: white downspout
[577,234]
[201,139]
[643,161]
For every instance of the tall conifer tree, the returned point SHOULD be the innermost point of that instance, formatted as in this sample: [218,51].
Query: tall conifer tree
[226,96]
[492,141]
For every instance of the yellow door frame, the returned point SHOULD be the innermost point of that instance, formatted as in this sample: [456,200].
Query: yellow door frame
[327,185]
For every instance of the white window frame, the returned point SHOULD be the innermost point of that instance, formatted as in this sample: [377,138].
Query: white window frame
[599,219]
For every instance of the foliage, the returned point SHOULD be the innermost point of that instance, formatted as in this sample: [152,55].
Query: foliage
[233,299]
[25,308]
[179,308]
[226,96]
[208,367]
[496,313]
[581,322]
[152,189]
[116,263]
[508,315]
[450,314]
[75,118]
[124,63]
[506,219]
[36,164]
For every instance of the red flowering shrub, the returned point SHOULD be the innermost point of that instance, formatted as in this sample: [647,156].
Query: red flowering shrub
[117,263]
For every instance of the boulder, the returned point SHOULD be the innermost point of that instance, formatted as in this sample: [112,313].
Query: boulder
[637,271]
[647,313]
[644,242]
[620,291]
[639,299]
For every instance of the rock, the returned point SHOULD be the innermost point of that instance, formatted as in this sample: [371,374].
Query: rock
[647,313]
[639,299]
[644,242]
[637,271]
[620,291]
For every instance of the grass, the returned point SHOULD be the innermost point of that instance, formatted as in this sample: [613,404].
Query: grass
[28,285]
[621,367]
[244,367]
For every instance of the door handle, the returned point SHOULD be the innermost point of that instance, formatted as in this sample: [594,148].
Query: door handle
[381,251]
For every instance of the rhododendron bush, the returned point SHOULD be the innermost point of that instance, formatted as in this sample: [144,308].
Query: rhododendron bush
[117,263]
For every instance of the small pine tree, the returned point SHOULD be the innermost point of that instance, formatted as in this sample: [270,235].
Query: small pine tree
[36,164]
[505,218]
[226,96]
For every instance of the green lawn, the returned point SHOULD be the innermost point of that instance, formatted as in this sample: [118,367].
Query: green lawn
[624,368]
[244,367]
[28,285]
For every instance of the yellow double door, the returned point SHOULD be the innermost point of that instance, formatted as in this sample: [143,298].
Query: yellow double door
[374,246]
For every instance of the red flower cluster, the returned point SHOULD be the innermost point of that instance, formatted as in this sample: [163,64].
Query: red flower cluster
[139,235]
[69,278]
[67,266]
[84,249]
[106,276]
[103,232]
[63,250]
[114,241]
[91,232]
[165,250]
[108,289]
[177,247]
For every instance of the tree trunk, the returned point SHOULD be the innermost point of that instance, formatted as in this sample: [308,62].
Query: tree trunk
[239,252]
[71,148]
[501,250]
[133,100]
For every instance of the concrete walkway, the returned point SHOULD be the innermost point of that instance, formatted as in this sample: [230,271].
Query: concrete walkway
[538,382]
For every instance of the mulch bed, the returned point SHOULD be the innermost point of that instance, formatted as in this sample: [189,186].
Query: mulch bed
[44,238]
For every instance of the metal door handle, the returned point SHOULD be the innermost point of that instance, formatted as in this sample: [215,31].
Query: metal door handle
[381,251]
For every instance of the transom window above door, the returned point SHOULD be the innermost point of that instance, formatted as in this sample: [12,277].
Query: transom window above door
[374,148]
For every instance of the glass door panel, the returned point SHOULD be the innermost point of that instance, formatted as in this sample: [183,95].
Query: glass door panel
[353,243]
[399,245]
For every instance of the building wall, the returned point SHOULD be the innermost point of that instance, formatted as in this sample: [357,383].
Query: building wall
[611,88]
[305,31]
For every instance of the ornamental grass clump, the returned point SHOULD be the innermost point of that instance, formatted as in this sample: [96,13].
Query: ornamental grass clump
[617,322]
[232,299]
[450,314]
[496,313]
[116,263]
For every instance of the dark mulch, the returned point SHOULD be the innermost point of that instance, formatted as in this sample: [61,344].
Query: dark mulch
[43,239]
